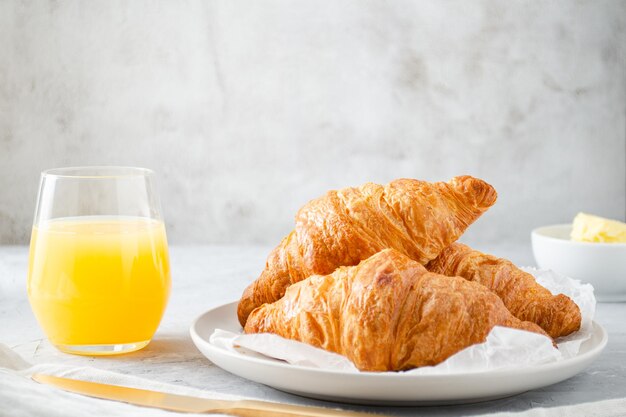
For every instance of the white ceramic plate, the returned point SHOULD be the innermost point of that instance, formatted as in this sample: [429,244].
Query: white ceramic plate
[385,388]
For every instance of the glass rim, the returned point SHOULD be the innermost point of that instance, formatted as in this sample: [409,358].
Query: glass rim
[106,172]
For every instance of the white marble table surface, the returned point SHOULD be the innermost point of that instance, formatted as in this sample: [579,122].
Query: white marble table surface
[204,277]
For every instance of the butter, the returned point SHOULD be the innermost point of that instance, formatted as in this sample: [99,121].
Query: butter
[589,228]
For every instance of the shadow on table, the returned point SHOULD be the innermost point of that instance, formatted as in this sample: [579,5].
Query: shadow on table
[171,349]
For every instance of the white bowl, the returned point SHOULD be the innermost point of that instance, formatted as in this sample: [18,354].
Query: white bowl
[603,265]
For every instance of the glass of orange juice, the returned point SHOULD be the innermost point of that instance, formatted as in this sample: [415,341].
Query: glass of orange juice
[99,276]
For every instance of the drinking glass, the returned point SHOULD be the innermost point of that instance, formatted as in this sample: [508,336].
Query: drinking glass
[99,277]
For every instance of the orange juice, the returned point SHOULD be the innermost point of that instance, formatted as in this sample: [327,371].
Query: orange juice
[99,280]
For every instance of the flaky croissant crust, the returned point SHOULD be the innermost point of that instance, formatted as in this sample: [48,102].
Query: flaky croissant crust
[386,314]
[417,218]
[527,300]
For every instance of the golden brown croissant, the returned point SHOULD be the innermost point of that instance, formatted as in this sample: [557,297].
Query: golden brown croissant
[417,218]
[558,315]
[386,314]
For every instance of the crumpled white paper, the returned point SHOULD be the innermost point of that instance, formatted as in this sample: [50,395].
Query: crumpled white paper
[582,294]
[504,347]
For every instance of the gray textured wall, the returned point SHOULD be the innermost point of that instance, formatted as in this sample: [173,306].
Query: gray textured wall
[248,110]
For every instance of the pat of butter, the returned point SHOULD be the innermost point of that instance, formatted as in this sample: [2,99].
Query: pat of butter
[588,228]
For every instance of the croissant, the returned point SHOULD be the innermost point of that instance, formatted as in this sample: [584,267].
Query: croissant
[417,218]
[386,314]
[526,299]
